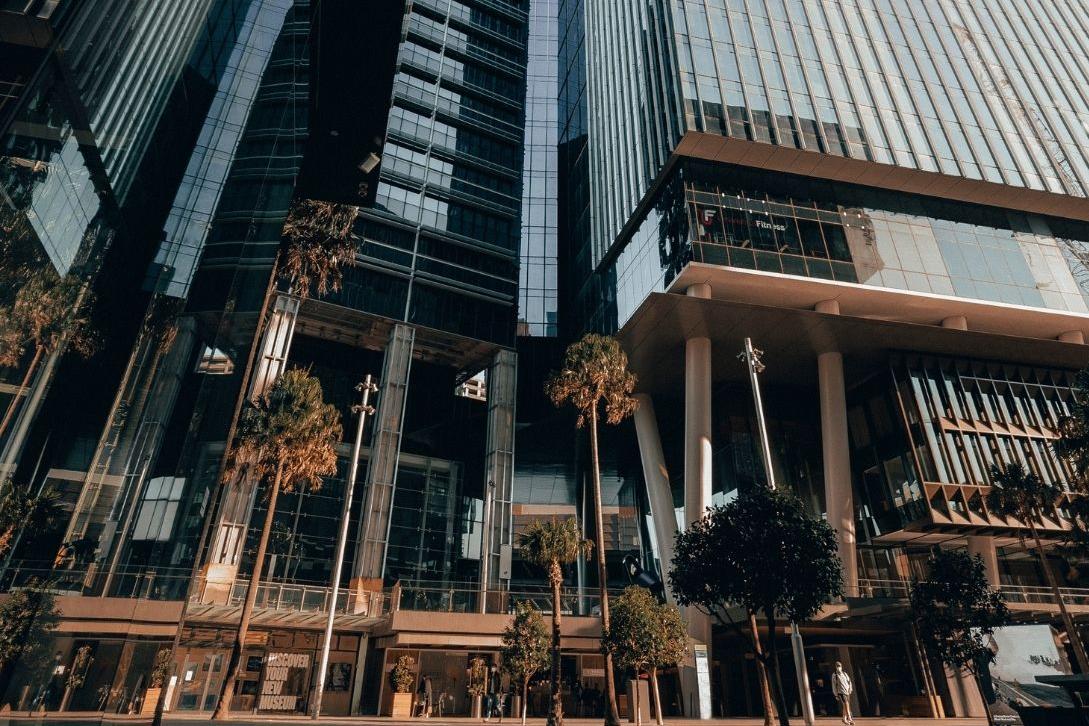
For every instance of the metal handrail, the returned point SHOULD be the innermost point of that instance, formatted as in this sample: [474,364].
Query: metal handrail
[290,597]
[1032,594]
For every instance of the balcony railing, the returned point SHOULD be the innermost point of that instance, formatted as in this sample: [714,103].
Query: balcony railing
[1014,594]
[287,597]
[158,583]
[464,598]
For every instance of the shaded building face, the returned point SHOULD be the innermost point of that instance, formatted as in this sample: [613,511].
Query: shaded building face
[441,243]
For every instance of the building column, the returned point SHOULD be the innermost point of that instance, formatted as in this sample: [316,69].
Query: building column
[499,475]
[838,485]
[984,547]
[697,496]
[697,419]
[275,344]
[656,477]
[370,558]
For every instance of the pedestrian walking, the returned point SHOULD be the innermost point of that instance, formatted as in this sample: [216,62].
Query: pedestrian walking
[842,690]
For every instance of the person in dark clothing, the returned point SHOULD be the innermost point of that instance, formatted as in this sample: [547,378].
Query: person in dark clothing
[493,701]
[423,696]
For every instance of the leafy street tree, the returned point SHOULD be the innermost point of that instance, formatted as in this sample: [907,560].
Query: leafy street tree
[1020,494]
[319,243]
[762,552]
[551,545]
[956,610]
[23,510]
[526,648]
[643,636]
[286,439]
[595,380]
[27,621]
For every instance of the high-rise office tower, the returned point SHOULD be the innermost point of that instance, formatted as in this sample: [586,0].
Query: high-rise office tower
[889,199]
[424,148]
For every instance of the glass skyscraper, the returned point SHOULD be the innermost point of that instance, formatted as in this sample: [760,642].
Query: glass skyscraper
[889,199]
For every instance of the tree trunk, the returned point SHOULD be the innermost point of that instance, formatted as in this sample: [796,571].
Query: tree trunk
[635,698]
[234,666]
[525,695]
[13,406]
[555,710]
[1068,622]
[612,717]
[656,699]
[780,696]
[761,672]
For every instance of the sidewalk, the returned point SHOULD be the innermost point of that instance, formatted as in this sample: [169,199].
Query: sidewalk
[87,719]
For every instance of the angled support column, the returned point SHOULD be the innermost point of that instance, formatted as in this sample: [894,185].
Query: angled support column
[370,558]
[499,476]
[657,480]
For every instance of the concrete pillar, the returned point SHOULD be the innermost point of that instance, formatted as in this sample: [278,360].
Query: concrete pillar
[370,559]
[697,419]
[838,485]
[1072,336]
[697,495]
[656,477]
[984,547]
[955,322]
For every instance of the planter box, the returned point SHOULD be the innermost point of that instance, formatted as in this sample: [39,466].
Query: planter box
[402,705]
[151,700]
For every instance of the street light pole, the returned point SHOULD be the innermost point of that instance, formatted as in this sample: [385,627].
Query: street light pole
[753,362]
[362,410]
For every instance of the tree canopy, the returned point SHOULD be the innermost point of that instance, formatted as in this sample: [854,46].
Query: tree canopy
[27,621]
[643,633]
[957,610]
[319,244]
[526,646]
[290,427]
[594,373]
[763,552]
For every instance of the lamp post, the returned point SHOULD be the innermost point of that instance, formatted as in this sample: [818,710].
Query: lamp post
[752,360]
[363,409]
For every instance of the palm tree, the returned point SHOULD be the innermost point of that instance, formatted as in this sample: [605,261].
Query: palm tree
[287,438]
[1020,494]
[23,510]
[46,313]
[552,545]
[319,242]
[595,377]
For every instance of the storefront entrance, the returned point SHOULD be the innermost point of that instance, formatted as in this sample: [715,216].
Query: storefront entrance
[277,673]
